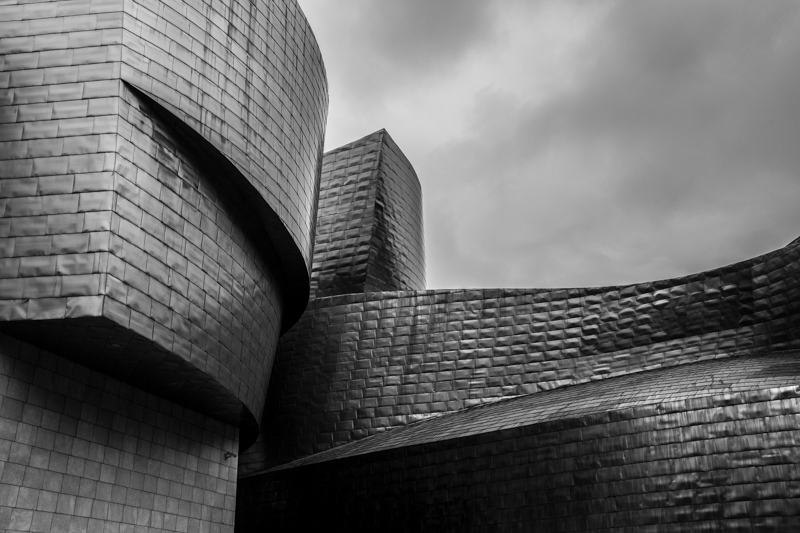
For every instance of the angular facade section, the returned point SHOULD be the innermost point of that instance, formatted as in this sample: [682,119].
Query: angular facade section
[85,452]
[369,233]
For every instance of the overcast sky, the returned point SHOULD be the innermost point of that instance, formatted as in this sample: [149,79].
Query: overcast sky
[578,143]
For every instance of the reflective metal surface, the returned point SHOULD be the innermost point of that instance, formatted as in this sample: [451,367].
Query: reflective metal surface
[191,307]
[369,233]
[702,447]
[147,147]
[84,452]
[672,392]
[159,189]
[248,77]
[662,406]
[358,364]
[159,169]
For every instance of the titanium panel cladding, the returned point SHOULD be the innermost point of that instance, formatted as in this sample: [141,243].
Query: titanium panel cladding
[110,226]
[707,446]
[84,452]
[358,364]
[369,233]
[245,76]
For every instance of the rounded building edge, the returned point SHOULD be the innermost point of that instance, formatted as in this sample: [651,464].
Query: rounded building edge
[296,276]
[277,158]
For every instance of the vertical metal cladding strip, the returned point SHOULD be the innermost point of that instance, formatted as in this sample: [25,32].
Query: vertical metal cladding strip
[345,217]
[369,233]
[159,168]
[397,254]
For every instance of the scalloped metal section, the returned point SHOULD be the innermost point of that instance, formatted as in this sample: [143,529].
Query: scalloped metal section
[358,364]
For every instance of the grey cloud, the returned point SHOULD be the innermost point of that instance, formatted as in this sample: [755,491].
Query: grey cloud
[673,151]
[420,35]
[383,47]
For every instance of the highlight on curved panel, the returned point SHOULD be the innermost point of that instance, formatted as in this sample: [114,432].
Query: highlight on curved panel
[207,324]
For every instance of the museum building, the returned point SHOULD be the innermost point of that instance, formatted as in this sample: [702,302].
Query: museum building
[208,325]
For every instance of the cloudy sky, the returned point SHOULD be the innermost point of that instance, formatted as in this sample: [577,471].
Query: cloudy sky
[576,143]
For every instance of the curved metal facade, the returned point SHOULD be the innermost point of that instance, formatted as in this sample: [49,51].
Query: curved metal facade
[159,168]
[159,180]
[709,446]
[358,364]
[159,172]
[662,406]
[248,77]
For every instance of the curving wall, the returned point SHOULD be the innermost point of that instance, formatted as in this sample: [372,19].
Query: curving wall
[707,446]
[159,170]
[358,364]
[159,181]
[369,234]
[245,77]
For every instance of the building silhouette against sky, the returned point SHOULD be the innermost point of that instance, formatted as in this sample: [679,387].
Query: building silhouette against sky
[208,325]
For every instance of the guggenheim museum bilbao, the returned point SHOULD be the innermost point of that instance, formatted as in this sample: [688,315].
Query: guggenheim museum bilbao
[208,325]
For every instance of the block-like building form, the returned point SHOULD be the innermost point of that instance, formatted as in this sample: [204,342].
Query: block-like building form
[206,325]
[369,234]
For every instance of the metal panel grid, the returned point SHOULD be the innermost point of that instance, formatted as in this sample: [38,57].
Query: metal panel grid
[85,452]
[92,221]
[358,364]
[710,460]
[369,233]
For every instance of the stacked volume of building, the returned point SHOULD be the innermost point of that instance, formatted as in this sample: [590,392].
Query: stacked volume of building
[208,326]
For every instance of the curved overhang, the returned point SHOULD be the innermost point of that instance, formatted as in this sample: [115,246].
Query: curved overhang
[102,344]
[159,220]
[296,280]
